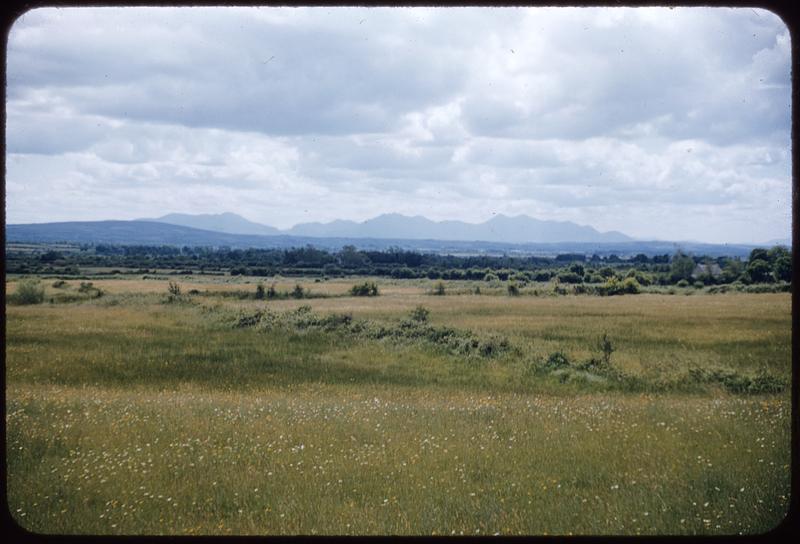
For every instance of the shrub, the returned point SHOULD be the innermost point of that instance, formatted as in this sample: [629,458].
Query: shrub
[298,291]
[271,292]
[59,283]
[513,290]
[570,277]
[366,289]
[173,288]
[556,360]
[698,285]
[682,283]
[29,292]
[606,348]
[420,314]
[615,287]
[478,290]
[260,293]
[438,289]
[631,286]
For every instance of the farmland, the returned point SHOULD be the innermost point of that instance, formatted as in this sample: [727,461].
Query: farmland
[133,408]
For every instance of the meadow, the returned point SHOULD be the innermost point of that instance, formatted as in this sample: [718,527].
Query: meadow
[212,412]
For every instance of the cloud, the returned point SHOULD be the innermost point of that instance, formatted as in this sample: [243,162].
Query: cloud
[297,114]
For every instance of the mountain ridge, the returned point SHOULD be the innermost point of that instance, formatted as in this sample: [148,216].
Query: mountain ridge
[156,233]
[500,228]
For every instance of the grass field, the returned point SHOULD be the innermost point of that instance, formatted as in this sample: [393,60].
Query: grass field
[128,414]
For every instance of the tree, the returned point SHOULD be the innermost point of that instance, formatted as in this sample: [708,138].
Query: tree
[759,271]
[759,254]
[682,267]
[732,270]
[782,269]
[577,268]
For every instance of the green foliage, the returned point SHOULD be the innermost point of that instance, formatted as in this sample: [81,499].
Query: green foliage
[759,271]
[28,292]
[173,289]
[682,283]
[260,292]
[415,329]
[614,286]
[420,314]
[682,267]
[298,292]
[606,272]
[59,284]
[736,382]
[272,292]
[556,360]
[513,290]
[570,277]
[366,289]
[782,268]
[577,268]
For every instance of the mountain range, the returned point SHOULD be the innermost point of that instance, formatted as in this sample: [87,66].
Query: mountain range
[514,230]
[142,232]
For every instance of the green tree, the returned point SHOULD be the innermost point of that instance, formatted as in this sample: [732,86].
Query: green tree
[682,267]
[732,270]
[782,269]
[759,271]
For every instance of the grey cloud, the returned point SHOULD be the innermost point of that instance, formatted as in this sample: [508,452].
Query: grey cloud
[316,113]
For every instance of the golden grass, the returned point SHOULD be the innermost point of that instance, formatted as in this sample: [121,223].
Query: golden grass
[92,453]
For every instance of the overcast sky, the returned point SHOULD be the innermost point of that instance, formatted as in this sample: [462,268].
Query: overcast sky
[660,123]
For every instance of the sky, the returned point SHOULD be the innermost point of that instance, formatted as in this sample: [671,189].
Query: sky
[668,124]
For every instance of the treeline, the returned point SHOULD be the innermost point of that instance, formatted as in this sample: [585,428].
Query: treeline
[762,266]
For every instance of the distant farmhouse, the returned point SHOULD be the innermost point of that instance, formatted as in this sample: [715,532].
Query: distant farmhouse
[703,269]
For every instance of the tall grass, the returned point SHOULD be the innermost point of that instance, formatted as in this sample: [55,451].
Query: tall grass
[126,415]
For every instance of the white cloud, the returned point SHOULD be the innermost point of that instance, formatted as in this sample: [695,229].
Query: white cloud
[650,121]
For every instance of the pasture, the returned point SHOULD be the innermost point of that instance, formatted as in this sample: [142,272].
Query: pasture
[215,413]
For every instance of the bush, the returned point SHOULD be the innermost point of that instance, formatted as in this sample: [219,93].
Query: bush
[682,283]
[271,292]
[173,288]
[29,292]
[420,314]
[366,289]
[607,348]
[438,289]
[615,287]
[298,292]
[59,283]
[570,277]
[260,293]
[556,360]
[513,290]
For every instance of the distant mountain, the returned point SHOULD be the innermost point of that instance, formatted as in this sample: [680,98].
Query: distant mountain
[156,233]
[515,230]
[779,242]
[223,222]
